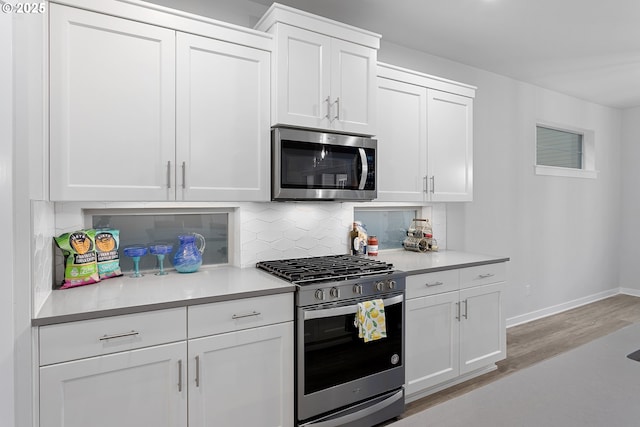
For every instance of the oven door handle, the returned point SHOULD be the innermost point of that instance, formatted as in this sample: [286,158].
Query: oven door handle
[347,309]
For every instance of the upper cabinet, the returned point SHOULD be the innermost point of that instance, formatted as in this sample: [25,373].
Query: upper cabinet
[112,107]
[425,137]
[402,141]
[222,120]
[325,72]
[449,146]
[162,115]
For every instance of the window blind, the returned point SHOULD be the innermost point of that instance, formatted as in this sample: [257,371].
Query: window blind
[558,148]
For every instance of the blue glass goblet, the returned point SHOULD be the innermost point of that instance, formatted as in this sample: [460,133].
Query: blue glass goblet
[135,252]
[160,250]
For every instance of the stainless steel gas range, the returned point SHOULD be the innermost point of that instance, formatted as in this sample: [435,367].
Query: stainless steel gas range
[340,379]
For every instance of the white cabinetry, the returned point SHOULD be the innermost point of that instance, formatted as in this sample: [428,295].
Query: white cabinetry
[135,388]
[325,72]
[425,137]
[242,375]
[232,366]
[112,107]
[449,146]
[109,372]
[222,147]
[402,141]
[455,326]
[137,116]
[482,327]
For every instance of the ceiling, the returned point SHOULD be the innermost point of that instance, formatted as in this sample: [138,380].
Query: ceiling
[589,49]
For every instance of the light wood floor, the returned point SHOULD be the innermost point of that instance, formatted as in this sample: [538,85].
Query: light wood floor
[535,341]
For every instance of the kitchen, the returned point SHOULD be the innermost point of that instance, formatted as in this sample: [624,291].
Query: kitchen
[573,228]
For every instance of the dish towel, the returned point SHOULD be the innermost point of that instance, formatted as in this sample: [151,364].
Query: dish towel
[370,320]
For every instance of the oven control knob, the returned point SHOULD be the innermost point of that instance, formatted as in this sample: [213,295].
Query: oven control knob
[357,289]
[320,294]
[392,284]
[379,286]
[334,292]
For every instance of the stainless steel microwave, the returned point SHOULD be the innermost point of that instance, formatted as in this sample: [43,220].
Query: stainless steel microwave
[312,165]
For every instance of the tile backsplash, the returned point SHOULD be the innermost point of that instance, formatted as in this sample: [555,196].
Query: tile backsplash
[292,230]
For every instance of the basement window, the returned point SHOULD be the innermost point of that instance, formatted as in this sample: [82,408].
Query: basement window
[564,152]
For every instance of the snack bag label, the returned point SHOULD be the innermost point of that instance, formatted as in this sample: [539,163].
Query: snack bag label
[107,242]
[80,261]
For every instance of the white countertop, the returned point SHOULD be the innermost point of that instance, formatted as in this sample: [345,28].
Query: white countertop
[419,262]
[125,295]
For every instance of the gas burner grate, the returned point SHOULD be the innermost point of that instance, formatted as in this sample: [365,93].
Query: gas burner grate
[316,269]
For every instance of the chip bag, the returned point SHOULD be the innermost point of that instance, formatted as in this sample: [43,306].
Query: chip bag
[107,242]
[80,261]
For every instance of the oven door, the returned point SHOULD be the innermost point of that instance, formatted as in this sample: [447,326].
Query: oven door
[335,368]
[308,165]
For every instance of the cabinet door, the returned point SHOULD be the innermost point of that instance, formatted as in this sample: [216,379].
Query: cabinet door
[130,389]
[450,146]
[112,107]
[353,87]
[242,378]
[402,141]
[302,87]
[432,341]
[482,327]
[222,118]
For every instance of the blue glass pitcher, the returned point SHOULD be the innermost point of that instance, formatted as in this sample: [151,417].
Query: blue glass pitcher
[188,257]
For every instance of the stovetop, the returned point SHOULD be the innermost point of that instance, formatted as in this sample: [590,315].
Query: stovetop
[307,271]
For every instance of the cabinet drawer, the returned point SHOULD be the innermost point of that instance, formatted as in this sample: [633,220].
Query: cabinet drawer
[438,282]
[220,317]
[86,338]
[482,275]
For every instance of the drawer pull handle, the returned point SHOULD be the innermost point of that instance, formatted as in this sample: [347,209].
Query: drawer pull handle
[111,337]
[485,276]
[180,375]
[429,285]
[241,316]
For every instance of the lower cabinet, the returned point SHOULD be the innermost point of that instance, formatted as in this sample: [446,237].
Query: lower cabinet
[142,387]
[452,334]
[242,378]
[228,364]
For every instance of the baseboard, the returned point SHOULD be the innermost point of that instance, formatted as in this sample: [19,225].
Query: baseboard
[632,292]
[538,314]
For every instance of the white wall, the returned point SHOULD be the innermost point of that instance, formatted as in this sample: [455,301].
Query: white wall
[629,265]
[6,223]
[562,234]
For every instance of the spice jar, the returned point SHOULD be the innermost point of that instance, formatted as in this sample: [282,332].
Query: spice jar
[372,246]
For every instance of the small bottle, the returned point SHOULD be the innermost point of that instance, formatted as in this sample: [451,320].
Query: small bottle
[372,244]
[354,239]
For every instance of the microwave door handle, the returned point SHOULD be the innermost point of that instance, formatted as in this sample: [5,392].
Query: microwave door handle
[347,309]
[365,168]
